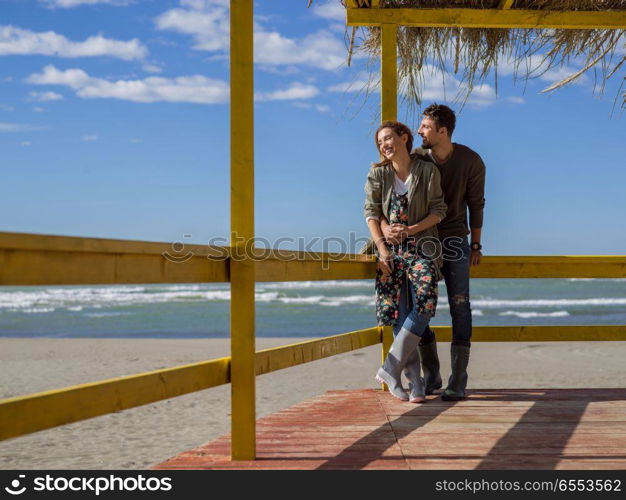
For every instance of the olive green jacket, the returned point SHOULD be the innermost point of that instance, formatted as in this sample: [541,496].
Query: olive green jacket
[424,195]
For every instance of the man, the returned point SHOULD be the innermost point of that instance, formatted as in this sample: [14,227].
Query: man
[463,183]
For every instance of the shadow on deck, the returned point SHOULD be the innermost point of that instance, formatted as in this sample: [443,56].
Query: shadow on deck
[492,429]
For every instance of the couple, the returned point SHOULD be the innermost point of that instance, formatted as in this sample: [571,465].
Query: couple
[416,209]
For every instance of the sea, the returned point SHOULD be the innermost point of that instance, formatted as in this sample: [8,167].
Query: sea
[288,309]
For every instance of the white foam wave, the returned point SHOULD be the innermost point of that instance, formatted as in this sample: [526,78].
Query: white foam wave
[320,284]
[106,314]
[597,279]
[33,310]
[76,299]
[604,301]
[324,300]
[533,314]
[477,312]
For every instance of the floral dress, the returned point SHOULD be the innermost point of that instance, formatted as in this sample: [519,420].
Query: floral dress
[408,262]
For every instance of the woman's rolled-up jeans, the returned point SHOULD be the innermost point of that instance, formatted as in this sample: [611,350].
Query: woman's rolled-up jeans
[409,317]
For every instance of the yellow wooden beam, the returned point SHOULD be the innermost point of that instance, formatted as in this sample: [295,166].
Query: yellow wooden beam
[489,18]
[35,412]
[278,358]
[389,72]
[242,267]
[35,259]
[505,4]
[565,266]
[557,333]
[387,340]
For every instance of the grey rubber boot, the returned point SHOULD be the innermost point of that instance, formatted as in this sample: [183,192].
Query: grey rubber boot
[403,346]
[430,366]
[459,357]
[412,371]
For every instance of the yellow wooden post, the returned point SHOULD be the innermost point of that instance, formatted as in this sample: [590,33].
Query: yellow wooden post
[388,111]
[386,333]
[242,344]
[389,72]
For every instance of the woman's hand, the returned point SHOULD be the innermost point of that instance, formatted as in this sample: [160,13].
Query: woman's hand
[385,262]
[394,233]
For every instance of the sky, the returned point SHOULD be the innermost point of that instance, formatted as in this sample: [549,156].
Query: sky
[114,123]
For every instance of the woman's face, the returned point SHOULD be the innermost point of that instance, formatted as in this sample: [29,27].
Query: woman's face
[390,144]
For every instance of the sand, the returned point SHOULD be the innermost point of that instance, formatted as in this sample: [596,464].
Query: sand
[144,436]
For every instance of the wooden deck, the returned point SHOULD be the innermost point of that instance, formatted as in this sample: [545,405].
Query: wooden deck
[492,429]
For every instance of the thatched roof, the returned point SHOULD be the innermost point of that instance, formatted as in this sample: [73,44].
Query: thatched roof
[473,54]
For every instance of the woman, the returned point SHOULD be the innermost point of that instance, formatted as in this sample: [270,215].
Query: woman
[406,191]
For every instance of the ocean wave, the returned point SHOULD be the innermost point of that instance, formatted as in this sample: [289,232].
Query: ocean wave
[324,300]
[497,303]
[596,279]
[33,310]
[320,284]
[533,314]
[76,299]
[106,314]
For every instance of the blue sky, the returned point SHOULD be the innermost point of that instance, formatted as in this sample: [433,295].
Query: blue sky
[114,123]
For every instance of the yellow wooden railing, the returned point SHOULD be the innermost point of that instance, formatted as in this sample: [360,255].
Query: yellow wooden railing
[30,259]
[34,259]
[44,410]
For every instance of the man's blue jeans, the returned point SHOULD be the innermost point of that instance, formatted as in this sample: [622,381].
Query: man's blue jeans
[456,275]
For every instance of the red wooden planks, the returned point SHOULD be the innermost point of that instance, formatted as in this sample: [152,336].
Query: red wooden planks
[492,429]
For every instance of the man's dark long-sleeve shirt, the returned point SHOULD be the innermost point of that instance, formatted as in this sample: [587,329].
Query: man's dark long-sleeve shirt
[463,185]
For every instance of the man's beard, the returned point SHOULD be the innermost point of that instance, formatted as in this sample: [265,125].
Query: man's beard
[426,144]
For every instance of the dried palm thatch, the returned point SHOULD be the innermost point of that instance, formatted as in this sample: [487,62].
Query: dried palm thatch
[475,53]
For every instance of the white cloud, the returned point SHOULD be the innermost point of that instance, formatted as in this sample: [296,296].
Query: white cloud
[17,41]
[360,82]
[535,65]
[26,143]
[5,107]
[15,127]
[90,138]
[197,88]
[152,68]
[331,9]
[515,100]
[68,4]
[322,108]
[207,21]
[135,140]
[434,88]
[194,89]
[320,50]
[39,110]
[294,91]
[44,96]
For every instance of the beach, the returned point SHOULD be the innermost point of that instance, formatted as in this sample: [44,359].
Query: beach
[145,436]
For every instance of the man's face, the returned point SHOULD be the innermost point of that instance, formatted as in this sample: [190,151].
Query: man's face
[429,133]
